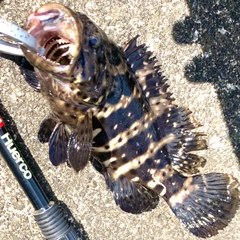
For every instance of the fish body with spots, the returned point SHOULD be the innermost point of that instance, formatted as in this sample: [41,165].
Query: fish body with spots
[111,107]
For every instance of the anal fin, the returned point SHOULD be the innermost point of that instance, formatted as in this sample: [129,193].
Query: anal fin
[131,197]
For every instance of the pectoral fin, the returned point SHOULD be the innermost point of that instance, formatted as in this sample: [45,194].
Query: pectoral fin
[29,74]
[46,128]
[80,144]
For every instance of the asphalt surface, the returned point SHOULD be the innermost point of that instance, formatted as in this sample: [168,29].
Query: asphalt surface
[197,46]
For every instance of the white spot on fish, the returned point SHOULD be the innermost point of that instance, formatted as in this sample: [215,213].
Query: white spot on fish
[107,162]
[135,179]
[96,132]
[152,184]
[175,124]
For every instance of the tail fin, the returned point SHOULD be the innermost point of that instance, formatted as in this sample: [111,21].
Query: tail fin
[206,203]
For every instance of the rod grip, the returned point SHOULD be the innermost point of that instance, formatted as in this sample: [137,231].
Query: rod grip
[53,224]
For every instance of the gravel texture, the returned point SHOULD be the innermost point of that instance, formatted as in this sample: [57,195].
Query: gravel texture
[198,47]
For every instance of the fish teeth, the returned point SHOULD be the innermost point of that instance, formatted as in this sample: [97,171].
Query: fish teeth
[54,43]
[49,45]
[62,41]
[57,48]
[49,60]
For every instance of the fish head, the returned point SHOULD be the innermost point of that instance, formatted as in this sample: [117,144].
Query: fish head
[56,29]
[74,50]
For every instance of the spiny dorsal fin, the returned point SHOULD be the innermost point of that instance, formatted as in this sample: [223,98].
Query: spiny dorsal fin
[170,118]
[148,75]
[180,122]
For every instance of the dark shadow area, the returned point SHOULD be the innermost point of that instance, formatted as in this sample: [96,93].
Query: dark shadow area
[216,26]
[16,59]
[33,166]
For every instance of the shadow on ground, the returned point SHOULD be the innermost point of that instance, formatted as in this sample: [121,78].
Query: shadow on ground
[216,26]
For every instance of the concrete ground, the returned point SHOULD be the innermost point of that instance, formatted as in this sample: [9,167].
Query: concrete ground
[196,38]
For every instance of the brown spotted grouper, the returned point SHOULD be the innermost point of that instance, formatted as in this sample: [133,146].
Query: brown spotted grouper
[111,106]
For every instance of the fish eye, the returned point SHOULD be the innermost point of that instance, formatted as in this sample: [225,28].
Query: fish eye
[95,39]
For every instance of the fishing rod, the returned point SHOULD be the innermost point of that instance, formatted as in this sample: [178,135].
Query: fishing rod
[47,215]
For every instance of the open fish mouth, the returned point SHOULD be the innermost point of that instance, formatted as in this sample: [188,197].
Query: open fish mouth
[58,50]
[56,29]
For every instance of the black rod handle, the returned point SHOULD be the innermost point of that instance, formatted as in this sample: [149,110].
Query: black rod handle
[20,169]
[48,216]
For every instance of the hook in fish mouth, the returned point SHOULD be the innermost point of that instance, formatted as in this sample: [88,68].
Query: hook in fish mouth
[57,30]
